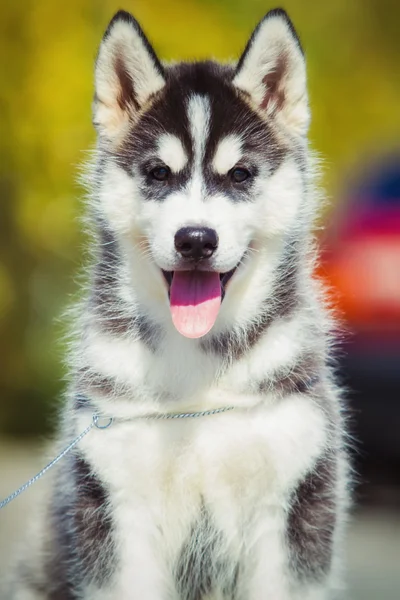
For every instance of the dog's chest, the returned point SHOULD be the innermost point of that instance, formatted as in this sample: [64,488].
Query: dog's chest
[164,466]
[232,462]
[185,492]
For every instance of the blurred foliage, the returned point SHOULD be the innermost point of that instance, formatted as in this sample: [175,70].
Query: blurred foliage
[46,89]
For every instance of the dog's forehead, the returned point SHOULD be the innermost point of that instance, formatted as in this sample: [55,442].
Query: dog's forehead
[199,113]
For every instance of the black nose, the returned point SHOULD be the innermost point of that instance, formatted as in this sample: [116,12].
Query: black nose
[196,243]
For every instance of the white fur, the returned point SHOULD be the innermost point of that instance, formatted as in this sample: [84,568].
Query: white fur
[227,154]
[252,229]
[171,152]
[119,199]
[199,118]
[283,192]
[277,351]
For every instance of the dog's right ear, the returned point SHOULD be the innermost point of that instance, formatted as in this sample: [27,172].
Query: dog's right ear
[127,74]
[272,72]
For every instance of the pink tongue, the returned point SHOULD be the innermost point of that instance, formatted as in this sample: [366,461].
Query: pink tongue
[195,299]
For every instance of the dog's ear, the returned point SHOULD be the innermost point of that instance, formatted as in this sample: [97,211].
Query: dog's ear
[272,72]
[127,74]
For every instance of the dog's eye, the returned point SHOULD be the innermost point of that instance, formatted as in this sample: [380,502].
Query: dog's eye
[160,173]
[238,175]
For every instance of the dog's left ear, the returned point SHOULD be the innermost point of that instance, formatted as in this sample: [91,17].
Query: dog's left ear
[272,72]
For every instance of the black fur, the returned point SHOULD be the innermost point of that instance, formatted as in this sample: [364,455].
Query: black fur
[302,378]
[229,112]
[87,381]
[83,536]
[198,572]
[312,520]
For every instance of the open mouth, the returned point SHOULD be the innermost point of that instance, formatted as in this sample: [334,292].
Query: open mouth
[223,277]
[195,299]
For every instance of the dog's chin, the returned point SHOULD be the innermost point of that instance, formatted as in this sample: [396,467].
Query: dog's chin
[223,277]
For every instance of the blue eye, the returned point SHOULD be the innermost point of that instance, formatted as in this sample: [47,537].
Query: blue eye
[160,173]
[238,175]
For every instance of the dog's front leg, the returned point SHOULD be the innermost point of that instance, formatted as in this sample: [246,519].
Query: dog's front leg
[270,576]
[143,574]
[267,569]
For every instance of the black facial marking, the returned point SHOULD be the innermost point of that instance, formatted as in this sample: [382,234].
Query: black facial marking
[230,115]
[312,520]
[198,571]
[104,300]
[224,184]
[167,114]
[83,551]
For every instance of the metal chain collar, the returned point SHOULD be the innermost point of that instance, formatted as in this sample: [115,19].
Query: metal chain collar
[100,422]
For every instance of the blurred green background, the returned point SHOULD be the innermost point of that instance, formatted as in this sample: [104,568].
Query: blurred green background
[353,55]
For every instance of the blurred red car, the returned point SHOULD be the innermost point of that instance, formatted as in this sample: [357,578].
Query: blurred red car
[361,262]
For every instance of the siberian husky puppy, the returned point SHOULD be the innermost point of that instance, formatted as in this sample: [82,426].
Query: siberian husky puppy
[201,299]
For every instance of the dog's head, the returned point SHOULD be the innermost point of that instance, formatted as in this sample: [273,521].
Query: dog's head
[201,169]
